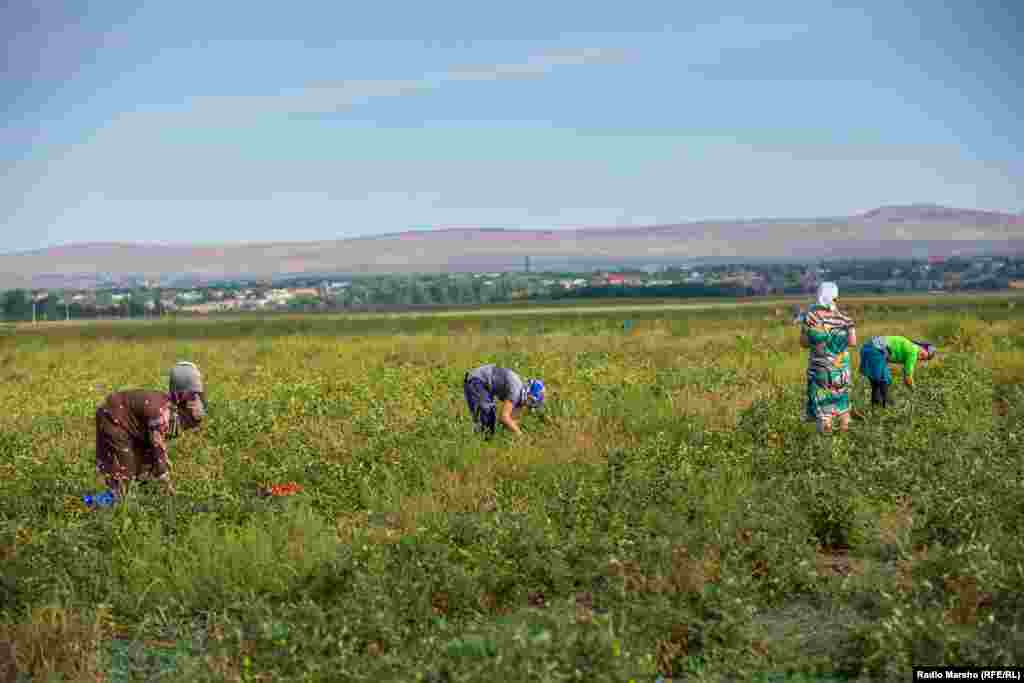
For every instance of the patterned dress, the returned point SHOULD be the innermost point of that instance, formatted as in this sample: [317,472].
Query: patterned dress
[828,368]
[132,429]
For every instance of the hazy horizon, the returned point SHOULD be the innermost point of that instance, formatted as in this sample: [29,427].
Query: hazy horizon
[382,235]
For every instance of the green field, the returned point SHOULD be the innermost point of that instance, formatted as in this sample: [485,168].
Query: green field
[669,514]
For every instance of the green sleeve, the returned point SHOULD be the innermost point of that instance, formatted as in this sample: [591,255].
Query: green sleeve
[904,351]
[911,362]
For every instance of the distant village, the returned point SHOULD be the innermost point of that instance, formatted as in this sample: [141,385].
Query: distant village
[141,297]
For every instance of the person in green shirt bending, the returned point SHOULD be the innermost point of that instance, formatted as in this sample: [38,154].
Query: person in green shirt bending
[876,355]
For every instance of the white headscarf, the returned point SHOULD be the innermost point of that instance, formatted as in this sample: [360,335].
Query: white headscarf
[827,292]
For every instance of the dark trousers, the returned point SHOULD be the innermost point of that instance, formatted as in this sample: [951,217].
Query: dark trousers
[879,393]
[481,404]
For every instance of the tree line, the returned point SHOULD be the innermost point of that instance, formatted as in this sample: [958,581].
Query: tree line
[427,290]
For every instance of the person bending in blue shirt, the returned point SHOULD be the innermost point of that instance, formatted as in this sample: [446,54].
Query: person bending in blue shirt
[488,384]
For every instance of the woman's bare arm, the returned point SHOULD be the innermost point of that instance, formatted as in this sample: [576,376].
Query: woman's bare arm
[506,417]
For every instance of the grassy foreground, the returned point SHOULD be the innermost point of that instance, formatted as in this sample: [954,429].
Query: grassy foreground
[669,515]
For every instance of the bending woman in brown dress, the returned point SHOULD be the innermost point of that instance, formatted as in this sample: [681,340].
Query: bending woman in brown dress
[133,427]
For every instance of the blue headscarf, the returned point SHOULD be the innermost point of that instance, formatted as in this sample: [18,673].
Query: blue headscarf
[927,346]
[533,393]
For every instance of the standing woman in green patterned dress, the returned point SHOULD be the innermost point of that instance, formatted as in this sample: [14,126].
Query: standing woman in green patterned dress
[828,334]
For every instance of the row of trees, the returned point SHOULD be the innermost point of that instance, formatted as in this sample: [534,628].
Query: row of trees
[437,290]
[17,304]
[465,289]
[913,269]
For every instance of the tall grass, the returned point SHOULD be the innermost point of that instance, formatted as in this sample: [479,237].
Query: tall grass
[215,566]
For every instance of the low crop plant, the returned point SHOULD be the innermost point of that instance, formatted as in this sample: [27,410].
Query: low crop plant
[670,512]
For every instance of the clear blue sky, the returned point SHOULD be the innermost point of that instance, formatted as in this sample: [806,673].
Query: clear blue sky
[225,121]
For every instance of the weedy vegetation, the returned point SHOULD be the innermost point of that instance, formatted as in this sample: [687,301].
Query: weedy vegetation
[669,514]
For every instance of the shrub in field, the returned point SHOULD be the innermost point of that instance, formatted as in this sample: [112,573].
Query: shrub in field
[435,582]
[954,463]
[532,558]
[1010,408]
[781,442]
[769,546]
[833,508]
[690,474]
[67,564]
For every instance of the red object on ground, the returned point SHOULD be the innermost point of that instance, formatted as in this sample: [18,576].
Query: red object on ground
[284,489]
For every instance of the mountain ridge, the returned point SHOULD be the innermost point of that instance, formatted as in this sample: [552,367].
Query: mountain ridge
[892,231]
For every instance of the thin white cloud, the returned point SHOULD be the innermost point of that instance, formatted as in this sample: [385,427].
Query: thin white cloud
[347,94]
[736,33]
[704,44]
[539,65]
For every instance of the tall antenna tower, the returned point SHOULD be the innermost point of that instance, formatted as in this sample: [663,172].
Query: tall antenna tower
[527,264]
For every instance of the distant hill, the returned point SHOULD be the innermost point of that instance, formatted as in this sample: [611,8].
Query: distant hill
[916,230]
[941,214]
